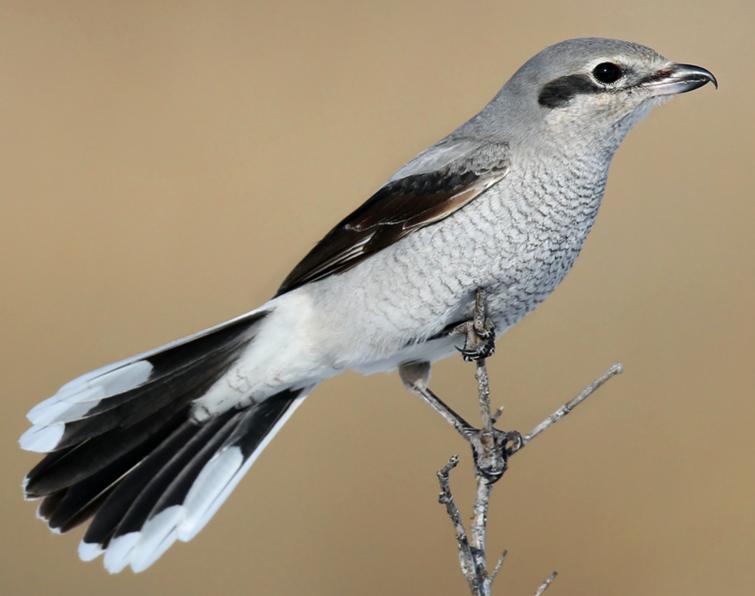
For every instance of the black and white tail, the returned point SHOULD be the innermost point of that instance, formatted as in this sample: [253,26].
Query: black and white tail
[122,447]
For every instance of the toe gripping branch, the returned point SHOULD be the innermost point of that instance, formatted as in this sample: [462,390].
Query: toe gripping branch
[479,333]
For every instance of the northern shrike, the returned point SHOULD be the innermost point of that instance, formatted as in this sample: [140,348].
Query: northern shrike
[152,445]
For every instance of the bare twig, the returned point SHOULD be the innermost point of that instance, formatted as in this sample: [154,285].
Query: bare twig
[546,584]
[480,526]
[498,565]
[614,370]
[483,392]
[491,447]
[445,497]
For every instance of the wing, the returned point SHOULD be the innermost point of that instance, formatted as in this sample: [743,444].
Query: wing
[416,197]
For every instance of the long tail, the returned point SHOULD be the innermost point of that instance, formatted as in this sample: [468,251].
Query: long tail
[123,447]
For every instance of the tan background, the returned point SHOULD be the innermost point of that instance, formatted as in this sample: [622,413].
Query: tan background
[165,164]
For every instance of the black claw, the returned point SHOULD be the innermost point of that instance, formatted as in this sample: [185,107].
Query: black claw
[489,449]
[479,344]
[479,353]
[485,330]
[514,442]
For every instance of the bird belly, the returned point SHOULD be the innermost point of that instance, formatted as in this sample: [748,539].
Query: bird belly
[382,310]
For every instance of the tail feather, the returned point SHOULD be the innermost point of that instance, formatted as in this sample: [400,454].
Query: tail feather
[79,462]
[117,505]
[222,473]
[77,507]
[125,394]
[47,463]
[123,447]
[165,466]
[49,504]
[84,497]
[165,514]
[189,444]
[168,508]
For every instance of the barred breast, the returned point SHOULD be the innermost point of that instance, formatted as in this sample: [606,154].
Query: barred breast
[517,241]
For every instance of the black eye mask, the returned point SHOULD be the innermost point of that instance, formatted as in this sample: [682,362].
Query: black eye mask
[559,92]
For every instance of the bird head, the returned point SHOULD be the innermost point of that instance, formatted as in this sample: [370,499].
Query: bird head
[593,89]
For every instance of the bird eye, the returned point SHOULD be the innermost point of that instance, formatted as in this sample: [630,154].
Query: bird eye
[607,72]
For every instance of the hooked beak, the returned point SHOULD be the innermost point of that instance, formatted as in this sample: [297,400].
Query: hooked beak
[679,78]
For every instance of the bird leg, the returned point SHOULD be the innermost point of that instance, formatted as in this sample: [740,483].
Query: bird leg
[491,447]
[414,376]
[479,333]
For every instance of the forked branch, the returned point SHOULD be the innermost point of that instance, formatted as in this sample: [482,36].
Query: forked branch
[491,447]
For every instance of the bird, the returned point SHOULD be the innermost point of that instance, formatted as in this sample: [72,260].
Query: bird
[148,448]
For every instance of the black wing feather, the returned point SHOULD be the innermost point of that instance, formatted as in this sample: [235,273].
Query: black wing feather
[397,209]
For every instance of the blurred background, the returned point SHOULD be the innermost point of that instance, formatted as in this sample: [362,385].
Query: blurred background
[166,163]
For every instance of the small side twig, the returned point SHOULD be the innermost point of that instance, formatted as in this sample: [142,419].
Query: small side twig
[567,408]
[466,560]
[548,581]
[498,565]
[491,447]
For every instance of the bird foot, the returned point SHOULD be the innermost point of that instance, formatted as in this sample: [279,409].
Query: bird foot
[479,339]
[491,450]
